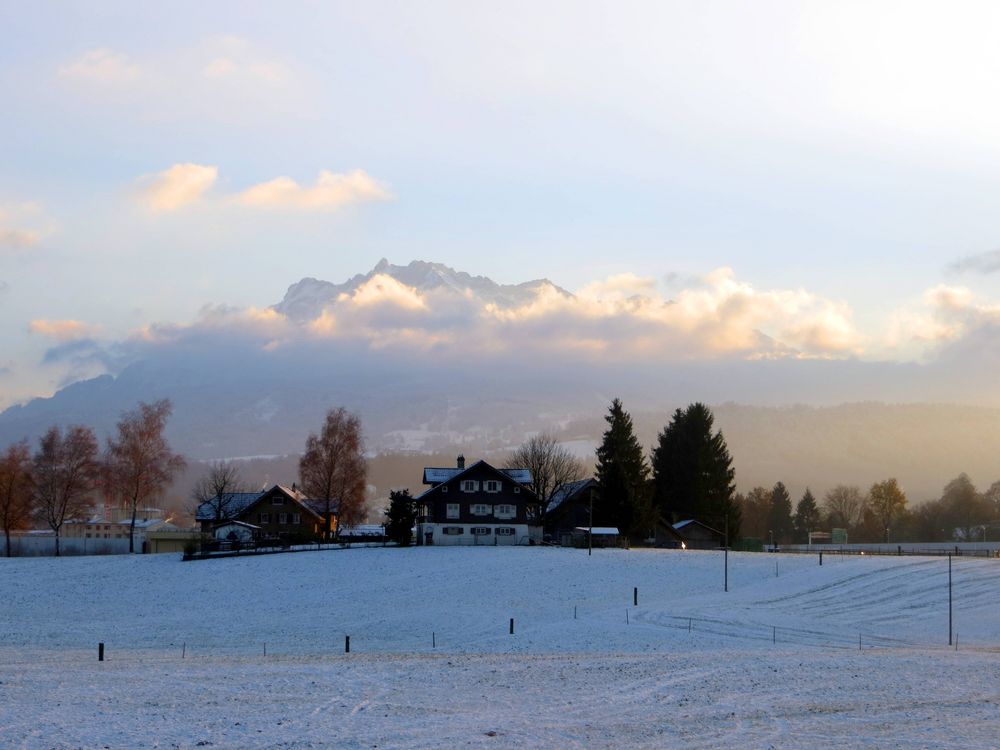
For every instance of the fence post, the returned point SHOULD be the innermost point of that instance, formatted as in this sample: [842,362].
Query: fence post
[512,626]
[347,644]
[635,596]
[184,649]
[433,640]
[821,557]
[100,652]
[774,634]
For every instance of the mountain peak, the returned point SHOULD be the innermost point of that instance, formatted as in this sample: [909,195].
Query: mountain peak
[306,299]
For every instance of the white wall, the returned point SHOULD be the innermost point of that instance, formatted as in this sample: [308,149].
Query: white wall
[38,545]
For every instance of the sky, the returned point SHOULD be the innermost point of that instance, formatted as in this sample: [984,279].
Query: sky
[819,176]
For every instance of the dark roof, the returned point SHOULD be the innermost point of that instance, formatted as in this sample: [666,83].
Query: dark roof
[520,476]
[568,490]
[433,475]
[236,503]
[681,525]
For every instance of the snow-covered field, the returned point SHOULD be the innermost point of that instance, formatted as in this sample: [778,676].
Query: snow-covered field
[774,662]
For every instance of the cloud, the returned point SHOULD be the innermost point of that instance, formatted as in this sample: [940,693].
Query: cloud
[233,58]
[945,317]
[63,330]
[102,66]
[21,226]
[176,187]
[330,192]
[185,184]
[988,262]
[19,239]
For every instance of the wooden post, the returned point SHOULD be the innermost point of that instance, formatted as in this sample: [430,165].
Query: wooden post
[635,596]
[574,611]
[100,652]
[949,599]
[725,586]
[347,644]
[626,617]
[859,641]
[689,624]
[265,648]
[512,626]
[821,557]
[183,649]
[433,640]
[774,634]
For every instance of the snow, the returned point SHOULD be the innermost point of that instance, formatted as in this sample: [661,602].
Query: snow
[774,662]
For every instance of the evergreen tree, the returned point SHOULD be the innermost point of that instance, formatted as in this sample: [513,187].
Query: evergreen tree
[779,520]
[807,516]
[400,517]
[693,472]
[622,475]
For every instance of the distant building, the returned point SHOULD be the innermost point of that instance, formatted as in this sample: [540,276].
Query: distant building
[569,509]
[477,505]
[278,513]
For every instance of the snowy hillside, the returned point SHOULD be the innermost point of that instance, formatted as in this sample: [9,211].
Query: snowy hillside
[773,662]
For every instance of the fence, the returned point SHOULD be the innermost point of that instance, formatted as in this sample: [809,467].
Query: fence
[925,549]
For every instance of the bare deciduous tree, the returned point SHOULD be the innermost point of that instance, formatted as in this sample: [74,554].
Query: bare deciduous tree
[138,462]
[551,465]
[15,489]
[844,506]
[65,469]
[217,488]
[333,469]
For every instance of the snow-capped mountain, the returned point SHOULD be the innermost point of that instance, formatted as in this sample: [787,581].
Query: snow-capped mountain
[306,299]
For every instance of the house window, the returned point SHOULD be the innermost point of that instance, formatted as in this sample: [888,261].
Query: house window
[452,530]
[296,518]
[451,511]
[265,517]
[517,490]
[481,510]
[282,518]
[444,488]
[277,500]
[492,485]
[505,511]
[505,531]
[481,531]
[469,485]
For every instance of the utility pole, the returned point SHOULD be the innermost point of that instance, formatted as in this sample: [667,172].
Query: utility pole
[590,534]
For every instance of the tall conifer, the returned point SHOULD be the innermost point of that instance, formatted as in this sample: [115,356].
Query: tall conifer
[622,474]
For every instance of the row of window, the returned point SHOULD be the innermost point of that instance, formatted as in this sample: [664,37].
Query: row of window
[492,486]
[478,530]
[280,518]
[453,510]
[106,536]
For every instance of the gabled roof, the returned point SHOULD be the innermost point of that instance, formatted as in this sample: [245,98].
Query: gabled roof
[520,476]
[567,490]
[434,475]
[239,502]
[681,525]
[235,503]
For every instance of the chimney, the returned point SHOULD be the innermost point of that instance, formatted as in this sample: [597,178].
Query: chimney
[293,488]
[461,461]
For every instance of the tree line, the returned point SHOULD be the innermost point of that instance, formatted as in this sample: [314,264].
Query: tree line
[61,480]
[880,514]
